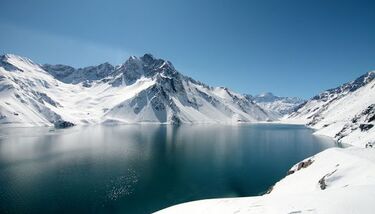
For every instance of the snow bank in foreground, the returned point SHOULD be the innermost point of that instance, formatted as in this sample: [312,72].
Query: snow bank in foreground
[333,181]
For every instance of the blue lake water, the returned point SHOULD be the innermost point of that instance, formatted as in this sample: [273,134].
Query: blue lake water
[144,168]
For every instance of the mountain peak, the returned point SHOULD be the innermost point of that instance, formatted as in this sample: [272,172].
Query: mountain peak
[279,105]
[347,87]
[266,94]
[15,62]
[266,97]
[147,57]
[9,56]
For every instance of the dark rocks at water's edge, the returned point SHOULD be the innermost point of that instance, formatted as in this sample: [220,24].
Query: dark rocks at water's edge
[269,190]
[62,124]
[302,164]
[176,121]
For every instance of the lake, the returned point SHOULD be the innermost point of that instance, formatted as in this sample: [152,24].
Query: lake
[144,168]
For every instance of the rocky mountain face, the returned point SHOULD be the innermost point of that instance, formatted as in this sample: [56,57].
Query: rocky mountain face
[345,112]
[278,105]
[68,74]
[141,90]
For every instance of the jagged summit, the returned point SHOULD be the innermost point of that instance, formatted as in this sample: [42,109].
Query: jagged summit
[266,94]
[148,58]
[12,58]
[7,56]
[131,70]
[346,87]
[145,66]
[266,97]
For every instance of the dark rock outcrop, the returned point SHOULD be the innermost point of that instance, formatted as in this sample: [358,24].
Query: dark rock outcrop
[62,124]
[301,165]
[365,127]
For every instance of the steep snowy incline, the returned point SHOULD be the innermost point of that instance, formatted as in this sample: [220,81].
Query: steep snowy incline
[23,86]
[142,90]
[333,181]
[32,97]
[345,113]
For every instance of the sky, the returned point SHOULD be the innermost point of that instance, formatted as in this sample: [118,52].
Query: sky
[289,47]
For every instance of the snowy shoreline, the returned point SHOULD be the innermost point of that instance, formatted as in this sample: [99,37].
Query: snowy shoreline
[337,180]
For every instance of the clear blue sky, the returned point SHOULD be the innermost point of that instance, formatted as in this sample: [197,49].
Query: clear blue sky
[289,47]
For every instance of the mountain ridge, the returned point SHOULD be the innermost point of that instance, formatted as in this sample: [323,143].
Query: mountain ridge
[141,90]
[280,106]
[344,113]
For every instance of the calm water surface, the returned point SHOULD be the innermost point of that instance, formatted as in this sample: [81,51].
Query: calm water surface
[143,168]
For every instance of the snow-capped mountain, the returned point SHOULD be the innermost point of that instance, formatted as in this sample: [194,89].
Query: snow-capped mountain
[346,113]
[142,90]
[279,105]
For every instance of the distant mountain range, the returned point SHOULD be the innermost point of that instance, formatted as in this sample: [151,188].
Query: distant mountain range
[278,105]
[141,90]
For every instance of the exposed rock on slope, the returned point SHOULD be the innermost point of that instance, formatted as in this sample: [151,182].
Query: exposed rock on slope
[68,74]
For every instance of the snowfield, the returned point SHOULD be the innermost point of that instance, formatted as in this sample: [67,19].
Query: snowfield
[336,181]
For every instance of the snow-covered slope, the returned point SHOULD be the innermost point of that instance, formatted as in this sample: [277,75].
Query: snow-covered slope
[279,105]
[141,90]
[334,181]
[345,113]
